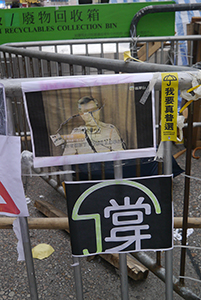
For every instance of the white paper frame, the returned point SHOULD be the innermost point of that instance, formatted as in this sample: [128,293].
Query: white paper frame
[88,81]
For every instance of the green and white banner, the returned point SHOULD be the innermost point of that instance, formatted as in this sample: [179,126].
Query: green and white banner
[81,22]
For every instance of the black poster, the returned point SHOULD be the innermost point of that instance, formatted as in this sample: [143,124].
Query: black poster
[120,215]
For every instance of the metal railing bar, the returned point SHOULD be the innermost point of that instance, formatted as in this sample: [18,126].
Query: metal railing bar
[1,66]
[87,72]
[83,70]
[171,52]
[39,67]
[171,58]
[186,190]
[41,64]
[23,67]
[24,125]
[102,50]
[162,51]
[191,53]
[155,57]
[70,42]
[59,69]
[106,41]
[5,63]
[87,49]
[31,66]
[99,63]
[17,123]
[18,66]
[71,69]
[27,65]
[14,85]
[49,68]
[11,66]
[177,50]
[71,49]
[42,68]
[116,54]
[147,51]
[57,66]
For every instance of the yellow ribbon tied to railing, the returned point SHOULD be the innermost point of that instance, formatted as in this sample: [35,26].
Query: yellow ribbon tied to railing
[190,101]
[127,55]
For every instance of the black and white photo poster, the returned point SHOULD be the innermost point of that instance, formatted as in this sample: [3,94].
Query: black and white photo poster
[90,119]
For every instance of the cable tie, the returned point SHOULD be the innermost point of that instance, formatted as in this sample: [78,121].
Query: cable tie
[75,264]
[183,246]
[192,177]
[186,277]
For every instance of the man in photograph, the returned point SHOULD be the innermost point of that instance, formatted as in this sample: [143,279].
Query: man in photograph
[94,136]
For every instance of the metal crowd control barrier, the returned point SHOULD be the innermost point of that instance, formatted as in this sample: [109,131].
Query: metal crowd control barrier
[11,63]
[21,65]
[25,60]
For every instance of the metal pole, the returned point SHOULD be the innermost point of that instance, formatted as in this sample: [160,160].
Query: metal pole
[76,260]
[150,263]
[122,256]
[168,253]
[28,257]
[123,276]
[186,190]
[78,278]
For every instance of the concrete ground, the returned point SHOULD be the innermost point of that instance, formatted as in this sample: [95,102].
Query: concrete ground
[54,275]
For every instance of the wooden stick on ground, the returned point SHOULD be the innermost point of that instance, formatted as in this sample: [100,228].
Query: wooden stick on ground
[62,223]
[37,223]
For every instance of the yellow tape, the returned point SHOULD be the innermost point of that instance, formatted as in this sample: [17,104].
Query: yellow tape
[193,88]
[169,104]
[185,105]
[189,102]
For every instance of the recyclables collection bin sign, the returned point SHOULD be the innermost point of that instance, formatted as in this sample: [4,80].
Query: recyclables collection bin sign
[81,22]
[120,215]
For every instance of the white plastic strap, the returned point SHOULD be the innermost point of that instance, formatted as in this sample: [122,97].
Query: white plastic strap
[149,88]
[49,173]
[196,178]
[180,125]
